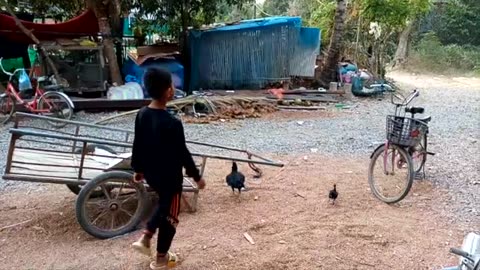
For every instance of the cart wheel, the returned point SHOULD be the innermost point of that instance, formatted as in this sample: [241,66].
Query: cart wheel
[90,149]
[118,211]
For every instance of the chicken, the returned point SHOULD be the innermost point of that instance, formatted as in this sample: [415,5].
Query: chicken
[236,180]
[333,195]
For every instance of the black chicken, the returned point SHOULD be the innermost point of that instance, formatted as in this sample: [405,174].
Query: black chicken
[236,180]
[333,195]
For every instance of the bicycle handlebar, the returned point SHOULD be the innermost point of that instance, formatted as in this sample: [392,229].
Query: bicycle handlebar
[405,100]
[460,253]
[11,74]
[3,70]
[382,85]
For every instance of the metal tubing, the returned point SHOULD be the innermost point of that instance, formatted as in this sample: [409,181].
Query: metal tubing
[43,179]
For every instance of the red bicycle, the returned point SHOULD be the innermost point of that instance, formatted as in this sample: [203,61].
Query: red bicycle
[49,103]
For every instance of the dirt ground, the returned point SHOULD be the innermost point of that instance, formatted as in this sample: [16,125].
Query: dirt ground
[287,214]
[290,231]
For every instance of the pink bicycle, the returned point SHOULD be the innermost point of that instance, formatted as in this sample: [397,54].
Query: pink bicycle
[396,163]
[49,103]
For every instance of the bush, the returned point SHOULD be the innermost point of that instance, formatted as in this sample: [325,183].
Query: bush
[430,55]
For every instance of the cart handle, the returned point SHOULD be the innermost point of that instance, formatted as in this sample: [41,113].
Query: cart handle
[22,132]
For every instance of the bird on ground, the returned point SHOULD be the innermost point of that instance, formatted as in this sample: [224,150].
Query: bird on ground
[236,180]
[333,195]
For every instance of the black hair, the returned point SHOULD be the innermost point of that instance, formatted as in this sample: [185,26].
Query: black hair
[156,82]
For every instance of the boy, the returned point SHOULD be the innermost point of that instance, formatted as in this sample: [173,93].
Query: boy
[158,156]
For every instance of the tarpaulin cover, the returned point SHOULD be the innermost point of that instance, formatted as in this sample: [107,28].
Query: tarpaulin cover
[252,53]
[85,24]
[132,70]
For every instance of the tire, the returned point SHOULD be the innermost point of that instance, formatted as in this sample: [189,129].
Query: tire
[7,108]
[90,149]
[373,177]
[58,105]
[113,206]
[421,150]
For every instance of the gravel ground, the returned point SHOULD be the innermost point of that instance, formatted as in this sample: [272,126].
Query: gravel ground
[355,132]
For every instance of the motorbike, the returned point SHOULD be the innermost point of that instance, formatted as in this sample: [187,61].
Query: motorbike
[469,253]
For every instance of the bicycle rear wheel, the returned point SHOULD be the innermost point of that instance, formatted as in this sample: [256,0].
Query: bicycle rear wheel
[7,108]
[419,154]
[57,106]
[390,174]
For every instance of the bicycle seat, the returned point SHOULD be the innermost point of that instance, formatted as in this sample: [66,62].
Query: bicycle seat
[414,110]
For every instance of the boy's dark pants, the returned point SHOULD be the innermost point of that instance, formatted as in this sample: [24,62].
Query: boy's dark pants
[165,219]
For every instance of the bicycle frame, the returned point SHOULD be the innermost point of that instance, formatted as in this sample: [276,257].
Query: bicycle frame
[32,105]
[398,106]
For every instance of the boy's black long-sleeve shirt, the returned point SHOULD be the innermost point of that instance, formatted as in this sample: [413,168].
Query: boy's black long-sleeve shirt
[160,151]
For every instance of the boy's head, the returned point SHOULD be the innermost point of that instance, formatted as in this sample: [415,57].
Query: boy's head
[158,83]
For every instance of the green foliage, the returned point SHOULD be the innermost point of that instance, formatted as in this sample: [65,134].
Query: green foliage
[60,9]
[276,7]
[179,14]
[431,55]
[231,13]
[459,23]
[394,13]
[322,17]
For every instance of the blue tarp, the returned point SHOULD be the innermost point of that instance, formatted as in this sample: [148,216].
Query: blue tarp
[253,53]
[132,70]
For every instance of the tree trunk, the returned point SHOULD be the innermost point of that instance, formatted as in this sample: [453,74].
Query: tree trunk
[116,23]
[185,48]
[100,9]
[403,43]
[329,66]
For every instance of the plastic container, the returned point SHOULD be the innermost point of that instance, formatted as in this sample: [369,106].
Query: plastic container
[131,90]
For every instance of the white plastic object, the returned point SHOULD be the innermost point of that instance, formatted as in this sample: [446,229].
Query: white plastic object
[131,90]
[471,244]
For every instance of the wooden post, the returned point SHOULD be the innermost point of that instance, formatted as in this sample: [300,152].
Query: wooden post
[29,33]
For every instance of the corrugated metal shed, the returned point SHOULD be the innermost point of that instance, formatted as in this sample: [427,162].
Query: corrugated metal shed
[252,53]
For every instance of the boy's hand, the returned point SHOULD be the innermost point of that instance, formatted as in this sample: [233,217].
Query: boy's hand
[138,178]
[201,184]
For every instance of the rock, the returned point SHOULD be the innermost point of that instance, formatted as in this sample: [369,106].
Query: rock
[282,242]
[256,198]
[37,228]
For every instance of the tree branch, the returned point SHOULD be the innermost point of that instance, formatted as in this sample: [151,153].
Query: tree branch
[29,33]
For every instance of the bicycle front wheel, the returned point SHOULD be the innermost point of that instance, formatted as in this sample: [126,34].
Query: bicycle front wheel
[390,174]
[7,108]
[55,105]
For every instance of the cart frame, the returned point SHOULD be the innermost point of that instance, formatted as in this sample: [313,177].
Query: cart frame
[71,158]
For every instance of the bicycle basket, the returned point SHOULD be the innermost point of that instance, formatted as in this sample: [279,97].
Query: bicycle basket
[405,131]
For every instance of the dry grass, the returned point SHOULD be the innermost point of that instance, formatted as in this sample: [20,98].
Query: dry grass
[290,231]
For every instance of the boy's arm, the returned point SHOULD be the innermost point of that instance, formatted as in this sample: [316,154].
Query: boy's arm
[137,151]
[187,160]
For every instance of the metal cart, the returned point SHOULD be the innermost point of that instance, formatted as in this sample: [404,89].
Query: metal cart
[97,168]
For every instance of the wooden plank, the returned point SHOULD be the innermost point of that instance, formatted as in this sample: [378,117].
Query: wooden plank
[307,108]
[24,155]
[307,98]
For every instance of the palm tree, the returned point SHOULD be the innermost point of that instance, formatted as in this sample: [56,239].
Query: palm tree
[328,72]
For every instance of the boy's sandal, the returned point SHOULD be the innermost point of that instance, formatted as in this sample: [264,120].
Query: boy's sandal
[171,263]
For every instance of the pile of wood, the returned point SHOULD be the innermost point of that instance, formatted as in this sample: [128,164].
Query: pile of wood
[207,109]
[303,99]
